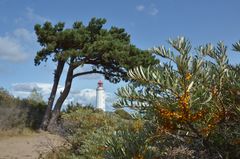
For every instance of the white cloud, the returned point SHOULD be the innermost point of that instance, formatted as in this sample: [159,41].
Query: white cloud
[32,16]
[23,90]
[14,46]
[11,50]
[153,11]
[24,34]
[84,96]
[88,96]
[140,7]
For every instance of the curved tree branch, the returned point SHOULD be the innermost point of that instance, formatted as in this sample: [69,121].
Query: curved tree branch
[94,71]
[87,72]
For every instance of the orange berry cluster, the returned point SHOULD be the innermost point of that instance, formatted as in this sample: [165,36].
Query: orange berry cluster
[182,115]
[188,76]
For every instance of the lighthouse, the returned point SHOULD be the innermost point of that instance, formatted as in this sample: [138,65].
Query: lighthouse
[100,96]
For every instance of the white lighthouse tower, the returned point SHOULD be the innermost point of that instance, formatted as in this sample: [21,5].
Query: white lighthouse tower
[100,100]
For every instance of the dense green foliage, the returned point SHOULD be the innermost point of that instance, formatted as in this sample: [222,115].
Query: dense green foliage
[109,51]
[18,113]
[88,129]
[192,100]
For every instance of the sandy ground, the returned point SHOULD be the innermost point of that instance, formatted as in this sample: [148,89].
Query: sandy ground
[28,147]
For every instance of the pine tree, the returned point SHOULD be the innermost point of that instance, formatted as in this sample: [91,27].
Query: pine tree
[108,51]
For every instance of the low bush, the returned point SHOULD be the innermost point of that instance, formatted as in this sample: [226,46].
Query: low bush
[88,129]
[19,114]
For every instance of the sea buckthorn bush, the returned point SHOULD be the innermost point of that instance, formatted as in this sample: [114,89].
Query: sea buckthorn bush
[192,98]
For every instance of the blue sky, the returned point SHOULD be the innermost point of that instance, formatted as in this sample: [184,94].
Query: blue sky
[149,22]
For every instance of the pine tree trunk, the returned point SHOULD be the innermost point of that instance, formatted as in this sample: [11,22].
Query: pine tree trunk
[57,108]
[57,75]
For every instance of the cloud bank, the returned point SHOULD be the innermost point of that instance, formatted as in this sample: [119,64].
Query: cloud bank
[11,50]
[23,90]
[14,46]
[83,96]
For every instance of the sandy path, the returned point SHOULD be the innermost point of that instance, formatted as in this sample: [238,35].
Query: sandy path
[28,147]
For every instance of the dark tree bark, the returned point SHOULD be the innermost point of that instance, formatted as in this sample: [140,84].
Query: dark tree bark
[57,108]
[57,75]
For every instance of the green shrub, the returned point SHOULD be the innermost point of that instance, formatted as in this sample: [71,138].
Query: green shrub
[88,129]
[18,113]
[132,143]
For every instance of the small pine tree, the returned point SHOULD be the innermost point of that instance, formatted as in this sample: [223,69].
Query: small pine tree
[36,96]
